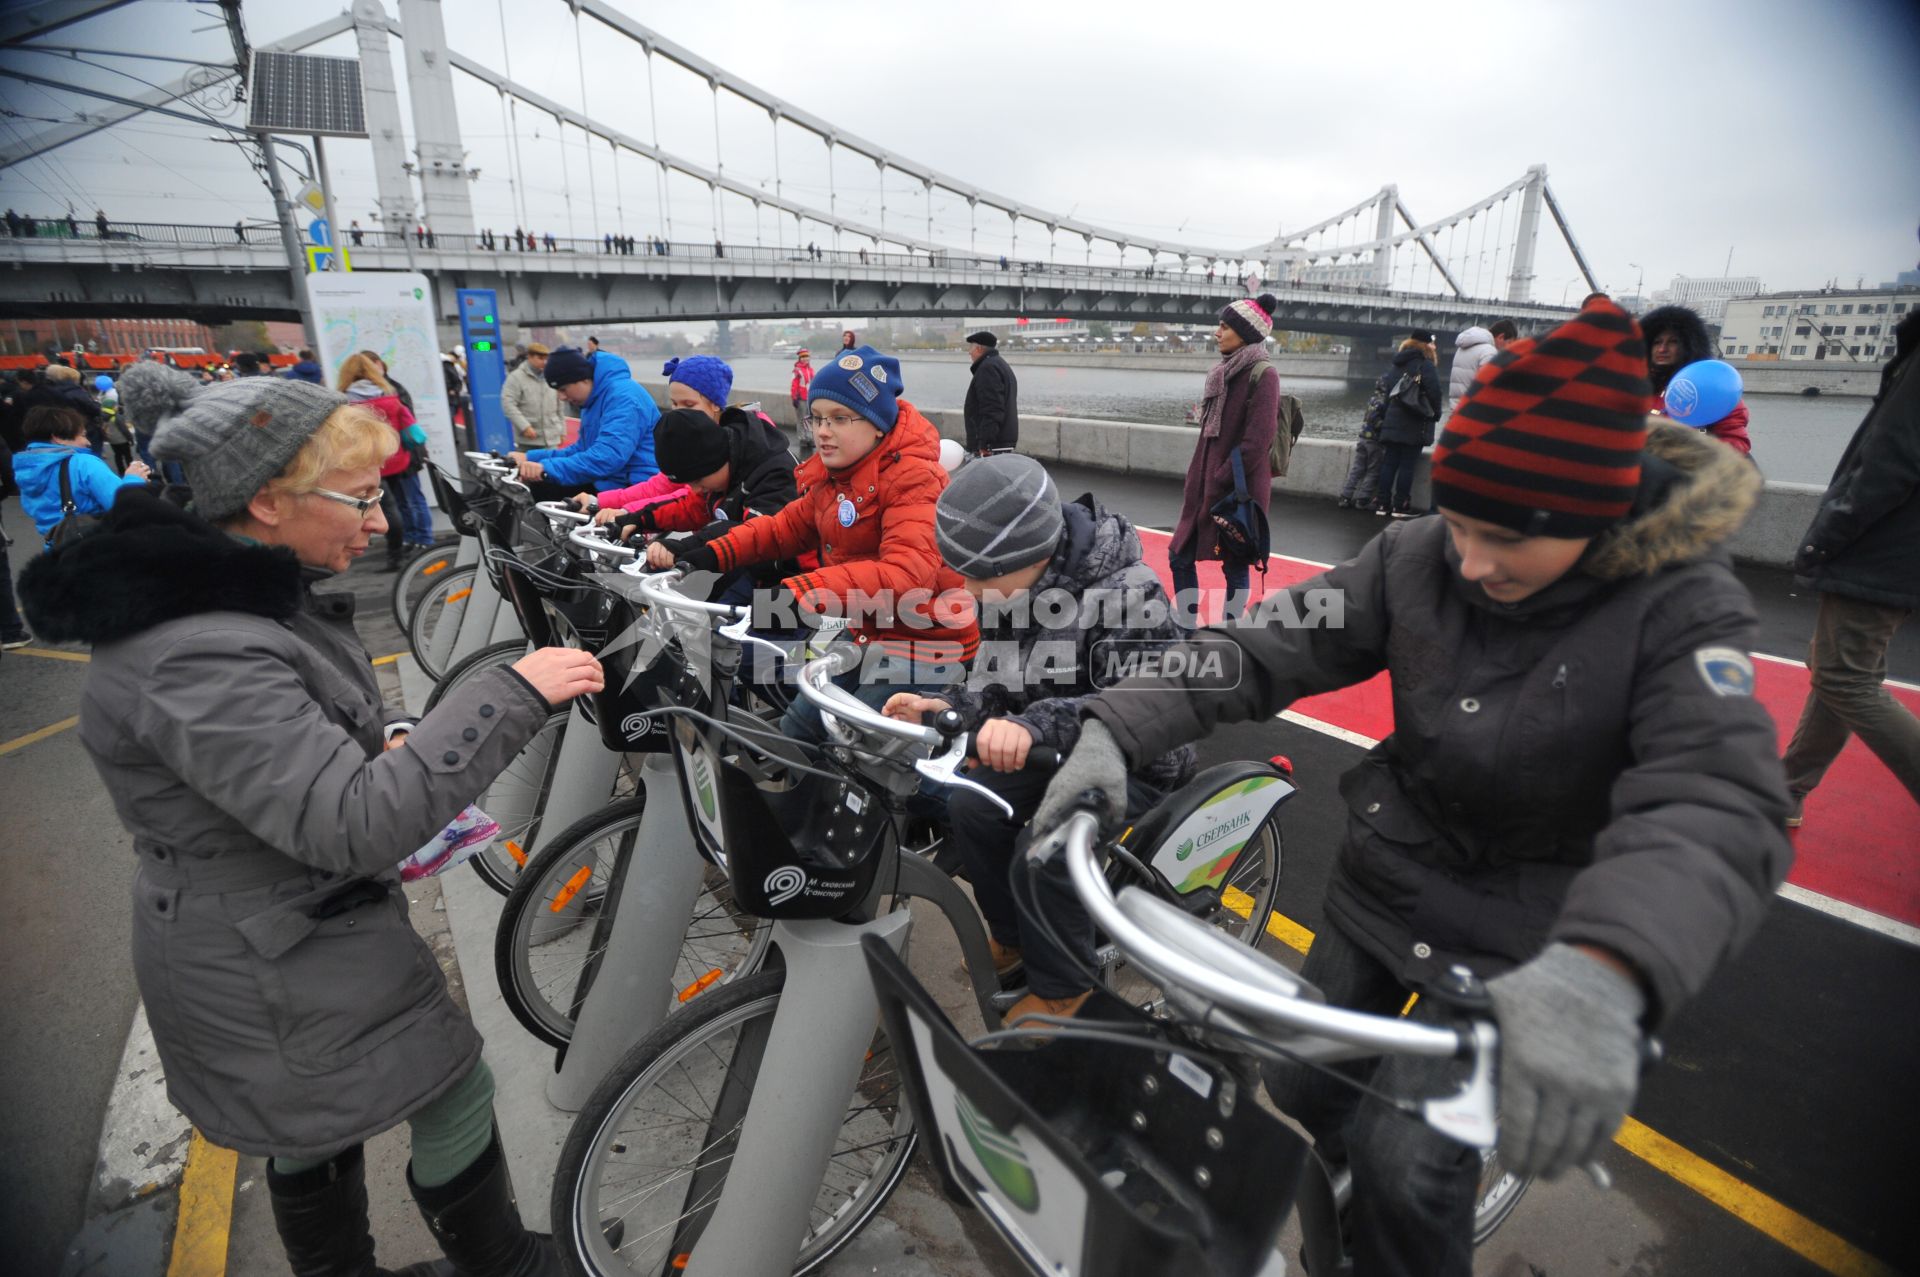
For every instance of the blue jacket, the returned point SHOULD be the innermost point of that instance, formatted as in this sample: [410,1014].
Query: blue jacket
[306,370]
[37,471]
[615,447]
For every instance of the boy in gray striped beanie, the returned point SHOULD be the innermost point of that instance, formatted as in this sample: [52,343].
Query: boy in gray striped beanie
[997,516]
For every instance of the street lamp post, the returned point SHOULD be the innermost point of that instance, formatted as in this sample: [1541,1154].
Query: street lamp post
[1639,299]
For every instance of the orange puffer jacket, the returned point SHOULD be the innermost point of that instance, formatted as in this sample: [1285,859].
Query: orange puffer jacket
[884,551]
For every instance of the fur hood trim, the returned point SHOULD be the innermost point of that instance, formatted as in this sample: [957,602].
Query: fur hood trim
[1711,492]
[151,562]
[1684,323]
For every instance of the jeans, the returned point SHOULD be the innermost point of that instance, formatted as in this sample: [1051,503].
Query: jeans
[880,676]
[415,519]
[1186,588]
[1848,661]
[1413,1188]
[992,846]
[1397,462]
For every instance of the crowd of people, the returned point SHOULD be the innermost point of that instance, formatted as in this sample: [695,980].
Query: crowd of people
[1567,625]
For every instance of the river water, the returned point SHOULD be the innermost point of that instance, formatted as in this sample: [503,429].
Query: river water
[1794,439]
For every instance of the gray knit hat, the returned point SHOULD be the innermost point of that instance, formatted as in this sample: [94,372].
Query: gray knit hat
[999,514]
[234,436]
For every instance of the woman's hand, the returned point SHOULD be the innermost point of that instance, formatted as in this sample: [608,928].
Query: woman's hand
[660,558]
[560,673]
[139,470]
[1002,744]
[910,707]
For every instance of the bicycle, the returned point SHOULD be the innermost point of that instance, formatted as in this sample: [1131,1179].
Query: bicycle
[1154,1169]
[766,1118]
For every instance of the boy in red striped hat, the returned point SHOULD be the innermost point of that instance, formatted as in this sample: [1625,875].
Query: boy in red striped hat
[1580,801]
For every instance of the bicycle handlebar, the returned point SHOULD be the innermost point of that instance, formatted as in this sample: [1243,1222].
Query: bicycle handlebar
[816,684]
[587,539]
[653,588]
[561,511]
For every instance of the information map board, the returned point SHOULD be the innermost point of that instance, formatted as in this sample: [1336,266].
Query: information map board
[392,314]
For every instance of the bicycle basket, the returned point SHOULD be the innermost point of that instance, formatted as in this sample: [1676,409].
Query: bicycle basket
[1193,837]
[446,495]
[1089,1158]
[810,851]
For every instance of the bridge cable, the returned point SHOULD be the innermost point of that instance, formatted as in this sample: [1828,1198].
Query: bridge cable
[662,204]
[512,121]
[720,169]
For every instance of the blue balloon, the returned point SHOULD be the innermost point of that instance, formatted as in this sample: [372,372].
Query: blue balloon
[103,382]
[1703,392]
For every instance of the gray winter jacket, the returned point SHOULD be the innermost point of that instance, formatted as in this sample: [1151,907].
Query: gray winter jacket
[1111,607]
[236,722]
[533,407]
[1588,765]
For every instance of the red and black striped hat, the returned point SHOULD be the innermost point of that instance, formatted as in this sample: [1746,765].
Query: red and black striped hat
[1547,440]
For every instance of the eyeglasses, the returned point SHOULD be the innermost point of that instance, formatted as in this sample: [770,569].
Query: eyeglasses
[360,504]
[835,423]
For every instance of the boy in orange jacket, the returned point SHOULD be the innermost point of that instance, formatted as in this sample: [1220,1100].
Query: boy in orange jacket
[866,507]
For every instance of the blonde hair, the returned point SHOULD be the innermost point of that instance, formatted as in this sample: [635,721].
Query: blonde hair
[60,372]
[363,366]
[349,439]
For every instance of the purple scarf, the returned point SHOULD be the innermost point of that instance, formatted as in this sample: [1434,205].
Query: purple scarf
[1214,399]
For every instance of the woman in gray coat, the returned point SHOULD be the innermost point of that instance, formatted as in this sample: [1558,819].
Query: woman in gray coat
[235,719]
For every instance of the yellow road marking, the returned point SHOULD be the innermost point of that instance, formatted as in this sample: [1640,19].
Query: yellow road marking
[206,1211]
[48,654]
[51,729]
[1830,1252]
[388,659]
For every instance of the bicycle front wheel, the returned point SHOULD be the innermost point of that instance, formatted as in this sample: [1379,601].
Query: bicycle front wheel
[554,926]
[653,1144]
[443,604]
[1499,1191]
[417,575]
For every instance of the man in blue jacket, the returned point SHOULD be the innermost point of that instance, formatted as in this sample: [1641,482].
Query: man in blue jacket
[615,447]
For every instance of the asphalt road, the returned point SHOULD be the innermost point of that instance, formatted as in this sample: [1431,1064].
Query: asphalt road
[1791,1073]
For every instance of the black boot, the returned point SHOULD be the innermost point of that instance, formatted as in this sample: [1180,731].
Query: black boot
[476,1220]
[322,1218]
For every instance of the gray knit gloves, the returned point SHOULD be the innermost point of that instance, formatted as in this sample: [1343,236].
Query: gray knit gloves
[1569,1058]
[1096,764]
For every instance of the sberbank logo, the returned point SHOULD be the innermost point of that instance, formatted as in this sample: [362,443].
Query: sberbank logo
[1001,1156]
[703,785]
[1186,849]
[418,293]
[1224,828]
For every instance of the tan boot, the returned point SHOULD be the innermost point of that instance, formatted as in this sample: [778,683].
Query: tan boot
[1005,957]
[1034,1004]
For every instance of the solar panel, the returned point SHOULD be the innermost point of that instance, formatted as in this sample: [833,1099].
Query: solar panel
[298,93]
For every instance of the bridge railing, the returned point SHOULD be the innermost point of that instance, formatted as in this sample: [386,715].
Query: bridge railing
[424,246]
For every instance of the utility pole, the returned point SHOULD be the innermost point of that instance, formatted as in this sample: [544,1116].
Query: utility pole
[290,240]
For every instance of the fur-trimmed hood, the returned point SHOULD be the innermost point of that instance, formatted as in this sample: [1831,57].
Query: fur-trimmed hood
[1683,323]
[151,562]
[1695,494]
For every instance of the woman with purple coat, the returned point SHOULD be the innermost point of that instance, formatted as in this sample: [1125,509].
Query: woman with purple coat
[1240,412]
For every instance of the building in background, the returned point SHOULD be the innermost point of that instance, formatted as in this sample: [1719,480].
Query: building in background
[1853,324]
[101,336]
[1707,298]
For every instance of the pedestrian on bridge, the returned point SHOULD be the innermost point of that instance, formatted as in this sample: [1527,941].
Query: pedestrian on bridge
[1239,414]
[1861,555]
[1414,404]
[232,713]
[240,231]
[992,408]
[100,223]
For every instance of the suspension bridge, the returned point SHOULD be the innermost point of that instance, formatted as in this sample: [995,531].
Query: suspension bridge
[718,239]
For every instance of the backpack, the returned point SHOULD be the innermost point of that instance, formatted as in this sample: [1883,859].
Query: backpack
[1292,422]
[73,525]
[1375,415]
[1240,524]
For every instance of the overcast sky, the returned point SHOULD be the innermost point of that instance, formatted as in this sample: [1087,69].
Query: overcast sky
[1673,132]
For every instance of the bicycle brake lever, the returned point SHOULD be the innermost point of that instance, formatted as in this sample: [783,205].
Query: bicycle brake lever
[737,631]
[1468,1116]
[944,769]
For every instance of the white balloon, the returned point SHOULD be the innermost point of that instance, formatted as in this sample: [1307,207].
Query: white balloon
[952,455]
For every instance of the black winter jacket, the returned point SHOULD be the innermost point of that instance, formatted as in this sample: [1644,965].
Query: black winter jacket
[1865,541]
[992,409]
[1588,765]
[1404,424]
[762,473]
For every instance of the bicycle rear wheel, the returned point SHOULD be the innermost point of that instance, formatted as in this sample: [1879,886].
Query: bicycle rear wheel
[444,603]
[554,926]
[1499,1191]
[417,575]
[653,1143]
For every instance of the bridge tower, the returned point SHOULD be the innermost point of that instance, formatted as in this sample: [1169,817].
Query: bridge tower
[436,125]
[1520,281]
[384,128]
[1389,200]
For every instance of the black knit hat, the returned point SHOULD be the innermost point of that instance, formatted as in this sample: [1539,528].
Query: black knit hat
[568,365]
[689,445]
[1547,440]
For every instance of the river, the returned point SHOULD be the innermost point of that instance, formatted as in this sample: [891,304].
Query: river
[1794,439]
